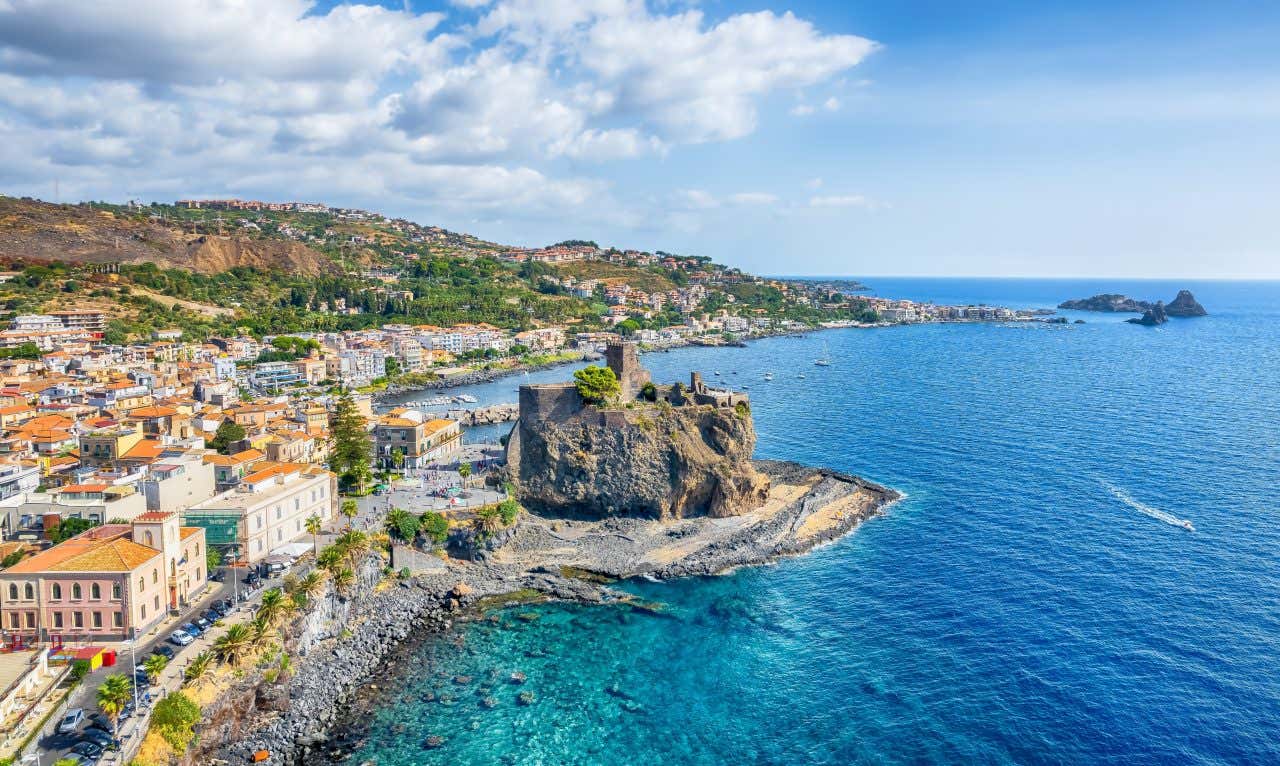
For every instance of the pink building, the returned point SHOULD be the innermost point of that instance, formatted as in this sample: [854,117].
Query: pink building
[103,583]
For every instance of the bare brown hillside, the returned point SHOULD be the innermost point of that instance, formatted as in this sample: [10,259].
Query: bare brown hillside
[80,234]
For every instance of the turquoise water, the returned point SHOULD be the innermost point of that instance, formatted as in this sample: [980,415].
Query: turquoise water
[1028,602]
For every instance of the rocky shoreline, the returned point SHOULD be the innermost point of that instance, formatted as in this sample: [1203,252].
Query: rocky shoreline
[344,643]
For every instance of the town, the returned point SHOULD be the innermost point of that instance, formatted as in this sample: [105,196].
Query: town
[156,477]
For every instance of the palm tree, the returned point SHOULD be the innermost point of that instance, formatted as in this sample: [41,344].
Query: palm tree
[344,578]
[309,587]
[273,607]
[354,544]
[350,509]
[314,525]
[330,558]
[198,669]
[464,471]
[113,695]
[397,458]
[259,629]
[488,520]
[154,666]
[232,646]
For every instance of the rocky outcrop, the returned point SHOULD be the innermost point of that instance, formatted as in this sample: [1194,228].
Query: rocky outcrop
[647,460]
[1108,302]
[1185,305]
[1152,316]
[212,255]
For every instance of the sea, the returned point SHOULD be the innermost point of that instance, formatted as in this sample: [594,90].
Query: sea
[1036,598]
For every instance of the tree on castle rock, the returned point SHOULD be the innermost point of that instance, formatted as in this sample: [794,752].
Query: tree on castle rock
[597,384]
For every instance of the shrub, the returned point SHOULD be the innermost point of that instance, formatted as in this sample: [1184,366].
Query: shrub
[404,573]
[79,669]
[649,392]
[174,718]
[508,510]
[434,526]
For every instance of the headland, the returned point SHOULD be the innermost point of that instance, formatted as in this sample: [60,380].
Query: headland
[619,477]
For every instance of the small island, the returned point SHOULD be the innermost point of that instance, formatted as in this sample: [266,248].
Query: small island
[1153,314]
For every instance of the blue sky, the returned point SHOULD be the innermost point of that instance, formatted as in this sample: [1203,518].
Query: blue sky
[932,138]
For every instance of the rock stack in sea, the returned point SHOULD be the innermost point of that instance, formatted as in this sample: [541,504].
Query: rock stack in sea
[1151,317]
[1185,305]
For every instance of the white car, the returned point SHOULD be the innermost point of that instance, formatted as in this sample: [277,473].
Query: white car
[71,721]
[180,638]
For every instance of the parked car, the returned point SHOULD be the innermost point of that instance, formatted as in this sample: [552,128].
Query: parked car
[71,721]
[166,651]
[98,737]
[218,575]
[180,637]
[203,622]
[99,722]
[88,749]
[140,680]
[252,578]
[191,629]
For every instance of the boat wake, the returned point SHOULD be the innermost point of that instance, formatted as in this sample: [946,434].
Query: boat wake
[1142,507]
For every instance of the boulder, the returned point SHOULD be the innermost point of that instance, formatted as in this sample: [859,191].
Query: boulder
[1108,302]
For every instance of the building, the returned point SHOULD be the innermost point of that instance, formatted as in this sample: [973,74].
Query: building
[176,484]
[420,441]
[104,584]
[267,509]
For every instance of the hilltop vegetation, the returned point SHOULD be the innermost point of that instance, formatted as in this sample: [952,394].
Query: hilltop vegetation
[218,272]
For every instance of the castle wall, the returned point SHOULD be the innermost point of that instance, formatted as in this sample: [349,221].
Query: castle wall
[549,401]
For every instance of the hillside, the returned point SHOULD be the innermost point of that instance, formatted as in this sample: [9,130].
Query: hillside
[33,230]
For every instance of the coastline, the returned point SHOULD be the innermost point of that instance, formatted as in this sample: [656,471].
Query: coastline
[313,716]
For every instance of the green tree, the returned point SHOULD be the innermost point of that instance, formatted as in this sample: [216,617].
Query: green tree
[434,526]
[232,646]
[351,450]
[488,520]
[154,666]
[198,669]
[228,432]
[116,692]
[310,586]
[597,384]
[509,511]
[402,525]
[350,509]
[273,608]
[343,579]
[69,528]
[212,559]
[175,718]
[464,471]
[314,525]
[397,457]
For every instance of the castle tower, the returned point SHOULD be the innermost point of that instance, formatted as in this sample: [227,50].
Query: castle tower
[624,359]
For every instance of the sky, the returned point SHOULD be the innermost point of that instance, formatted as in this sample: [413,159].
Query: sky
[895,137]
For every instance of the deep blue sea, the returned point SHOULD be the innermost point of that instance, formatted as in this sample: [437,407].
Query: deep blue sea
[1030,601]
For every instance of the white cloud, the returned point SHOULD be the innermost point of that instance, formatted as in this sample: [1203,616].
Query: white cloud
[846,200]
[802,110]
[363,103]
[753,198]
[832,104]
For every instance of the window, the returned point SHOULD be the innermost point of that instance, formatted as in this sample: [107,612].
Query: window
[77,619]
[31,619]
[57,591]
[155,575]
[297,503]
[157,603]
[77,592]
[13,592]
[97,619]
[142,583]
[57,619]
[28,591]
[150,540]
[197,574]
[13,620]
[117,619]
[143,607]
[115,591]
[95,591]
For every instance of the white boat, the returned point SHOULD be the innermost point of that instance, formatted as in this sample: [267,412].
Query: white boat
[717,372]
[468,398]
[768,376]
[825,359]
[439,401]
[801,376]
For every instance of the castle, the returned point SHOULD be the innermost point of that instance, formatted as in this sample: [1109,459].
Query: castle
[544,402]
[658,451]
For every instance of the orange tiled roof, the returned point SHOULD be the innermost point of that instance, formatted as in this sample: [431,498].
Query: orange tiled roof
[154,516]
[147,449]
[101,549]
[154,411]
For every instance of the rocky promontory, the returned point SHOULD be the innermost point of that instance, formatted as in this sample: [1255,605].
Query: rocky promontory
[1108,302]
